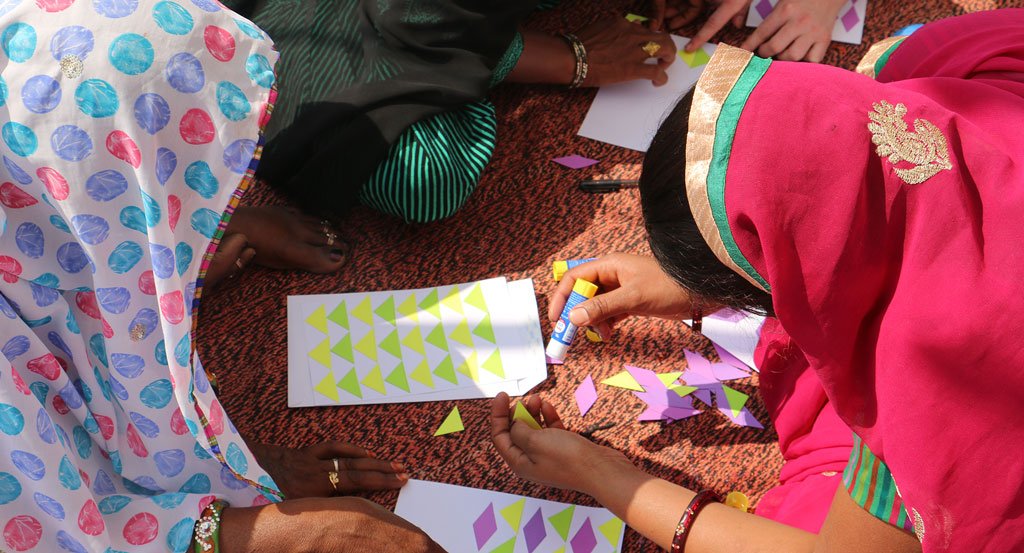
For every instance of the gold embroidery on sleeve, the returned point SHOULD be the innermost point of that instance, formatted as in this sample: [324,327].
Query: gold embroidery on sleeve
[925,147]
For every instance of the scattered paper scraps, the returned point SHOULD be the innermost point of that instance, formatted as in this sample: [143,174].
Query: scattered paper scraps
[623,380]
[462,341]
[575,161]
[473,520]
[849,27]
[734,332]
[520,413]
[552,361]
[452,423]
[586,395]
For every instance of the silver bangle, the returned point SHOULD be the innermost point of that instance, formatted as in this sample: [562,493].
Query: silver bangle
[580,52]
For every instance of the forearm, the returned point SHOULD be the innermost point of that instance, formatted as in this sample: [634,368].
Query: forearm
[545,59]
[653,506]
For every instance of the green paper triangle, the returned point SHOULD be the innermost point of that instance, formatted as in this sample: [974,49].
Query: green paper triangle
[350,383]
[669,378]
[452,301]
[363,311]
[436,338]
[390,344]
[386,310]
[634,18]
[470,367]
[695,59]
[446,370]
[422,374]
[736,400]
[521,414]
[493,364]
[623,380]
[485,330]
[318,319]
[397,378]
[562,520]
[374,380]
[322,353]
[612,531]
[327,388]
[452,423]
[431,305]
[408,308]
[475,297]
[343,349]
[339,316]
[414,341]
[513,514]
[368,346]
[682,390]
[461,334]
[507,547]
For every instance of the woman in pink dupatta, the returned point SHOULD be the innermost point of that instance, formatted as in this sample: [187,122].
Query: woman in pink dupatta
[878,220]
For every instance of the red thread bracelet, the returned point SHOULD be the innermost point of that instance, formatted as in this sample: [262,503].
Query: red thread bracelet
[699,501]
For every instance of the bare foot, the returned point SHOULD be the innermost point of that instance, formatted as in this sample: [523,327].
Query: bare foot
[286,239]
[231,257]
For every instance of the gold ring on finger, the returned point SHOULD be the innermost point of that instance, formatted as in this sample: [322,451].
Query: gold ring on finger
[330,242]
[651,48]
[333,477]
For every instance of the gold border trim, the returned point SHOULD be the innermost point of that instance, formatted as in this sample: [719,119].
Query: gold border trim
[877,50]
[712,89]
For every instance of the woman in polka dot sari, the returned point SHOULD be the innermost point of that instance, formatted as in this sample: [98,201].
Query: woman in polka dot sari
[129,131]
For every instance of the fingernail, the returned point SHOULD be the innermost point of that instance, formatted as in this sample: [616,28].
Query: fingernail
[579,316]
[404,476]
[371,454]
[336,256]
[398,466]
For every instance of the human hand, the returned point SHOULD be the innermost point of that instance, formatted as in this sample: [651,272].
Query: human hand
[304,472]
[615,54]
[552,456]
[727,10]
[630,285]
[796,30]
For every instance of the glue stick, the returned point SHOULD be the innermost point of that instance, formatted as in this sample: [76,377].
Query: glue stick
[565,331]
[558,268]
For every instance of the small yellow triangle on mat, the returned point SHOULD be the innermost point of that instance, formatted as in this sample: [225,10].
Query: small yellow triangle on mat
[452,423]
[669,378]
[623,380]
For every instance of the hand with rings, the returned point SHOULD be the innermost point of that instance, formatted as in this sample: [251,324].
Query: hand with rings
[325,226]
[618,51]
[328,468]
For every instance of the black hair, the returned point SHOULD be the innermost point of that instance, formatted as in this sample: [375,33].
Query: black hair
[675,240]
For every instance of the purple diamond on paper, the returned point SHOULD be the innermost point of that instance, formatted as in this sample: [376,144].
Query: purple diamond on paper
[850,18]
[485,526]
[584,541]
[534,531]
[764,7]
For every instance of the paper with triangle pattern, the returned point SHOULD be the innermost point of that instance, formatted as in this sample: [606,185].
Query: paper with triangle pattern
[447,514]
[462,341]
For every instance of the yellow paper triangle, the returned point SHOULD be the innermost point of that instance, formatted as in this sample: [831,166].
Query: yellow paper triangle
[327,388]
[318,319]
[322,353]
[422,374]
[736,400]
[521,414]
[364,311]
[513,514]
[350,383]
[408,308]
[339,315]
[431,305]
[623,380]
[386,310]
[390,344]
[475,297]
[612,531]
[682,390]
[368,346]
[461,334]
[397,378]
[446,370]
[452,423]
[470,367]
[669,378]
[343,349]
[485,330]
[493,364]
[696,58]
[374,380]
[507,547]
[414,341]
[634,18]
[436,338]
[561,521]
[452,301]
[561,549]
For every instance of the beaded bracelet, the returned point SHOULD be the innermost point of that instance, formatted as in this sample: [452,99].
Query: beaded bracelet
[580,52]
[699,501]
[207,530]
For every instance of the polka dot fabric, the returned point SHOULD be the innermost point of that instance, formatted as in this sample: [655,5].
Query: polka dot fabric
[127,128]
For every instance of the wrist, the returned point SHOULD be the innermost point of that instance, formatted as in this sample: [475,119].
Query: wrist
[605,472]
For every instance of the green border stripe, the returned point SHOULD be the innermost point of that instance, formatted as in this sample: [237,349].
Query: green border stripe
[884,58]
[725,133]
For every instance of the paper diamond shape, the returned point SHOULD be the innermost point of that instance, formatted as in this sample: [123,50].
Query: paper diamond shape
[584,541]
[764,7]
[485,526]
[850,18]
[534,531]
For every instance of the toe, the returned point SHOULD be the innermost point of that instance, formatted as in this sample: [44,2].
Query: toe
[324,259]
[225,260]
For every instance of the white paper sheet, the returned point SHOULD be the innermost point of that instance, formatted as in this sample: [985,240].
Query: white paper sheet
[629,114]
[354,353]
[735,331]
[467,520]
[849,27]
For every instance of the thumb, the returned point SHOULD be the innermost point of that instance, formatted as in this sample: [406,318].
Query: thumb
[600,308]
